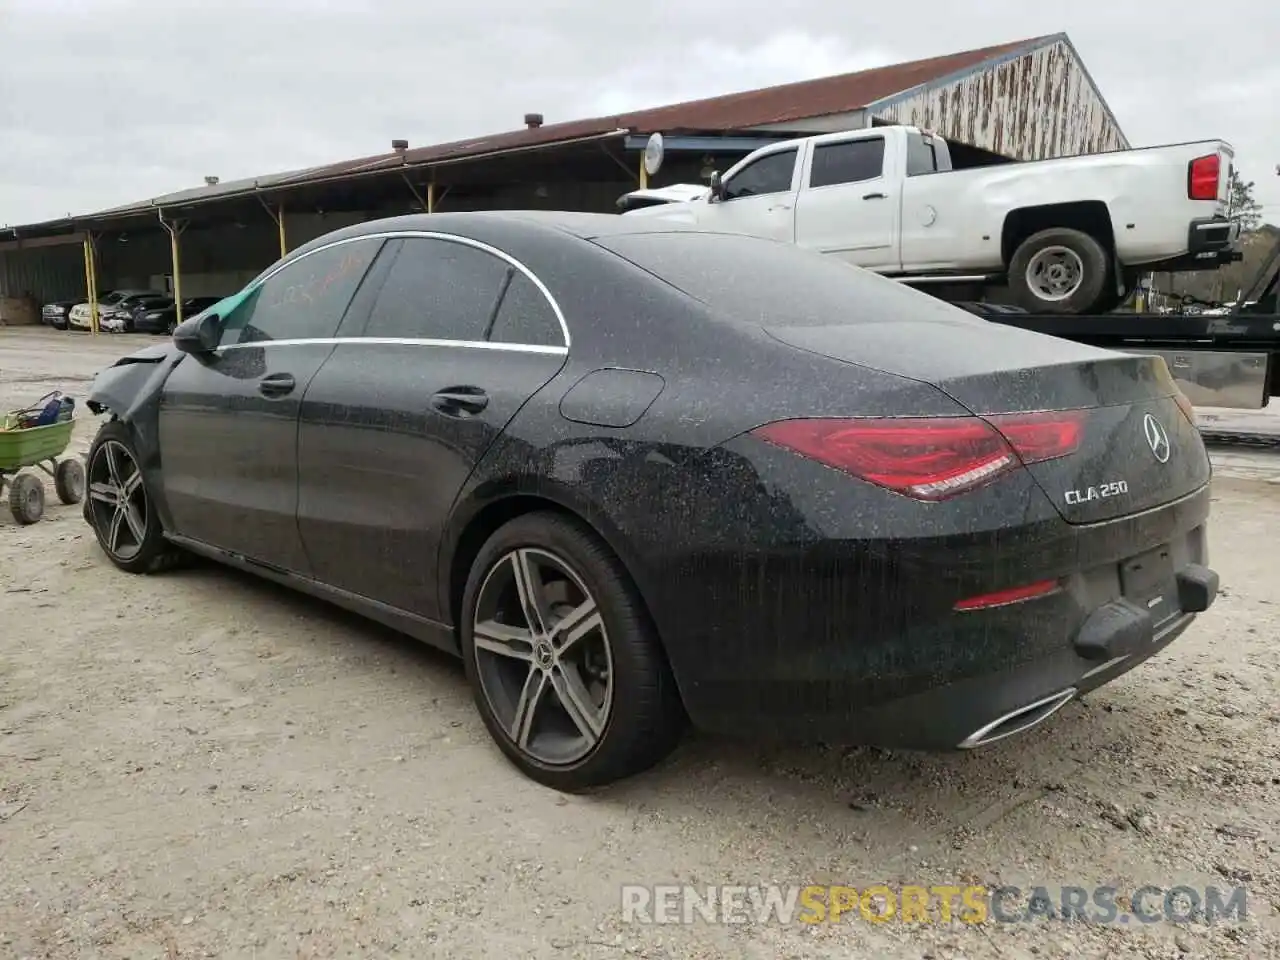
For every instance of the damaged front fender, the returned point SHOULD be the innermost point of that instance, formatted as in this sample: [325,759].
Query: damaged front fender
[131,381]
[130,391]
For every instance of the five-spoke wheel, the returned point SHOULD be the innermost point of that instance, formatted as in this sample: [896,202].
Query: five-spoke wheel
[119,507]
[542,655]
[119,500]
[567,671]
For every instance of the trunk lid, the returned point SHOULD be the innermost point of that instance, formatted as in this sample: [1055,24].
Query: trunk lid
[1137,449]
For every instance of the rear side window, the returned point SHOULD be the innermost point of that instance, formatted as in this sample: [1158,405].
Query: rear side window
[750,280]
[525,316]
[922,158]
[849,162]
[438,290]
[769,174]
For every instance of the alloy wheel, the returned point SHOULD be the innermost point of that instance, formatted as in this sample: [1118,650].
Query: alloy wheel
[118,500]
[542,656]
[1055,273]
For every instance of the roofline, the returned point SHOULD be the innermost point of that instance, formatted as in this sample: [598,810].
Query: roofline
[281,188]
[1096,89]
[1008,56]
[948,79]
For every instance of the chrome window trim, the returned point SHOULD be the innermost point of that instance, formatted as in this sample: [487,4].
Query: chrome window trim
[426,235]
[402,342]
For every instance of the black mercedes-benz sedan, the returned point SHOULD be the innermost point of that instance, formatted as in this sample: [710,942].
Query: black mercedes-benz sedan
[635,475]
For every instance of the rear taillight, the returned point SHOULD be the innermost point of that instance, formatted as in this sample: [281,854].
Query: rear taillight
[1042,436]
[1202,177]
[929,458]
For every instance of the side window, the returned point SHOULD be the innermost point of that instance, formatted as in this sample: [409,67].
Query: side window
[847,162]
[303,301]
[525,316]
[921,157]
[438,290]
[770,174]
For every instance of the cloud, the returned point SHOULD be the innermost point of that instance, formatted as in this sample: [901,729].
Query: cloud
[109,101]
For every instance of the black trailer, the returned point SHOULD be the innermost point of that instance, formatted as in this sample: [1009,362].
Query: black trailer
[1222,360]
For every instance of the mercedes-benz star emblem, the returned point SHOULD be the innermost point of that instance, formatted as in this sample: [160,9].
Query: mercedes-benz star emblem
[1157,438]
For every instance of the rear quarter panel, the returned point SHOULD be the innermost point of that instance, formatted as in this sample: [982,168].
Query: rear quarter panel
[1145,192]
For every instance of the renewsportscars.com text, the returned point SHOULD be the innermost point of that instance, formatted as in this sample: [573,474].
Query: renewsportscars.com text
[938,903]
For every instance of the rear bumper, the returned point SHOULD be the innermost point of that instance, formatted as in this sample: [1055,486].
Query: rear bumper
[1214,236]
[1212,242]
[878,663]
[978,711]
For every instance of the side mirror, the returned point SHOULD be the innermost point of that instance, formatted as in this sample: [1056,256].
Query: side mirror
[717,187]
[199,334]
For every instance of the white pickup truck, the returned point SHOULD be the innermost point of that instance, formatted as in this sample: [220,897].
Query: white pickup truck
[1070,235]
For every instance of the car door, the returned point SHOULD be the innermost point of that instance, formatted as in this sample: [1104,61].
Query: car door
[848,208]
[229,420]
[758,199]
[457,338]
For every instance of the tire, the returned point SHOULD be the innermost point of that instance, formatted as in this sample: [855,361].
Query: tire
[120,509]
[68,481]
[629,716]
[26,498]
[1111,298]
[1059,270]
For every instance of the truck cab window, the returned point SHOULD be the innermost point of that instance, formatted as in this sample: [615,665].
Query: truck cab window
[921,156]
[769,174]
[847,162]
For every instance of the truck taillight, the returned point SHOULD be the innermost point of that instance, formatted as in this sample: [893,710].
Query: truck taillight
[1202,177]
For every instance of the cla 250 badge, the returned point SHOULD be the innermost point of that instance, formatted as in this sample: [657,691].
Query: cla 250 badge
[1101,492]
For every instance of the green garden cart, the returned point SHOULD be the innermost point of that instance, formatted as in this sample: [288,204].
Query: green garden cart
[41,447]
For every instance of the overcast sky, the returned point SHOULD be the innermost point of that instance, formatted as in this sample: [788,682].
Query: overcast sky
[104,102]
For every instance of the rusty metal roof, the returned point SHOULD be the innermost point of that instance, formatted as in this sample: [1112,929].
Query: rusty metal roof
[753,108]
[735,111]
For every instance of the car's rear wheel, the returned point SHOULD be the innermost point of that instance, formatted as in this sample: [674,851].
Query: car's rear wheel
[1059,270]
[120,508]
[565,666]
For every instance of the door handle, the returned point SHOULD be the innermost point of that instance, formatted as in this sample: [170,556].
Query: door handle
[875,196]
[277,385]
[460,401]
[781,206]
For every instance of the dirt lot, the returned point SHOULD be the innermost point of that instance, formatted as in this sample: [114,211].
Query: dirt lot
[200,764]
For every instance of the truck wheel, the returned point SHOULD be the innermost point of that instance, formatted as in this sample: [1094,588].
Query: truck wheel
[1059,270]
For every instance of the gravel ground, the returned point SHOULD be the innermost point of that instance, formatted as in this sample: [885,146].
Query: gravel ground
[203,765]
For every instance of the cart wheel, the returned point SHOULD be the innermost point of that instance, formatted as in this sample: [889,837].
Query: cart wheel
[68,481]
[26,498]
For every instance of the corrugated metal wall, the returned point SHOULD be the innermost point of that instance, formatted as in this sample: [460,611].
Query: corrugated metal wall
[47,273]
[1034,107]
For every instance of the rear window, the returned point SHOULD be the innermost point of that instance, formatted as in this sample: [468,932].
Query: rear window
[774,284]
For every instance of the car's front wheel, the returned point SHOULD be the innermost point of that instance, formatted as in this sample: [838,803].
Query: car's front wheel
[120,508]
[566,667]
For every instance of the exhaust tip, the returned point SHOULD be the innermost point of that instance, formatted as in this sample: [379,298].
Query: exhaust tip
[1018,721]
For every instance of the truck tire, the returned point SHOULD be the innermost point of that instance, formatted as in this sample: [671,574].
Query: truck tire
[1059,270]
